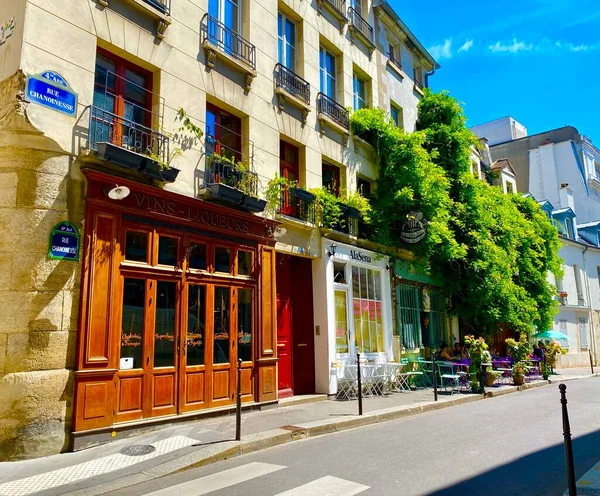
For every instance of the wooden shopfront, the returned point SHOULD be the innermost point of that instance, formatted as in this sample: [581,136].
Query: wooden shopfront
[174,291]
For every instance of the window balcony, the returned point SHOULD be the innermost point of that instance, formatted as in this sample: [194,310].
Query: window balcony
[129,141]
[220,41]
[160,10]
[290,86]
[417,78]
[337,8]
[297,203]
[360,28]
[333,114]
[348,223]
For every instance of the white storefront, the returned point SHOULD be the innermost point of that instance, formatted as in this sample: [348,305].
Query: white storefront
[353,309]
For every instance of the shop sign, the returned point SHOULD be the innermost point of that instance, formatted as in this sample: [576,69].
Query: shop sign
[51,90]
[6,30]
[64,242]
[360,257]
[414,229]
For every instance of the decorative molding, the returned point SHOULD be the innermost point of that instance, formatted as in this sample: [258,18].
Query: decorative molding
[213,52]
[283,96]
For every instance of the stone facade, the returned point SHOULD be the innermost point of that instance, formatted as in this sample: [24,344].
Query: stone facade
[42,153]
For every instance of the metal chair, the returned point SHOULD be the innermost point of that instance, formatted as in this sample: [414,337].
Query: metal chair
[347,381]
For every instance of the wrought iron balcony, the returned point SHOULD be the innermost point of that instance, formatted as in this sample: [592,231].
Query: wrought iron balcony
[333,110]
[348,223]
[223,170]
[163,6]
[298,203]
[227,41]
[360,26]
[292,83]
[336,6]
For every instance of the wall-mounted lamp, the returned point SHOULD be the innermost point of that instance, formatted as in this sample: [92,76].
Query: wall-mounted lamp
[117,193]
[332,249]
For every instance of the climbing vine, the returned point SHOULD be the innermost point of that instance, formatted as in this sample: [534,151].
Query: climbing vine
[492,252]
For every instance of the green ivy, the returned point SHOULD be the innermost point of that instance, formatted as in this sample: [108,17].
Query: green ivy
[492,252]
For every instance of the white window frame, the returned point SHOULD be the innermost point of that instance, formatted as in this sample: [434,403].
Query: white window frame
[324,52]
[357,99]
[400,114]
[282,57]
[221,13]
[582,323]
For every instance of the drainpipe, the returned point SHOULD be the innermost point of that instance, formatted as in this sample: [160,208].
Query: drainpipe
[428,75]
[589,299]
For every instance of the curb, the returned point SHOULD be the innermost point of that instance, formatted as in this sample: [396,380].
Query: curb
[287,434]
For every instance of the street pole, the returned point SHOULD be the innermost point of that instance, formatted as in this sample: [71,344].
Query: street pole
[434,377]
[360,411]
[591,361]
[238,406]
[568,445]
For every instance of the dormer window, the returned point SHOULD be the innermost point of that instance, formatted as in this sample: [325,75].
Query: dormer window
[569,225]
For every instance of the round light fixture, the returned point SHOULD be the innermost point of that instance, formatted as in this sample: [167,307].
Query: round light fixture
[118,193]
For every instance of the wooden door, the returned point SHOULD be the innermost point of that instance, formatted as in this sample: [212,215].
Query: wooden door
[302,326]
[284,326]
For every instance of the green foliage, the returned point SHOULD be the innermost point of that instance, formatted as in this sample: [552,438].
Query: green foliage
[520,349]
[273,193]
[327,205]
[491,252]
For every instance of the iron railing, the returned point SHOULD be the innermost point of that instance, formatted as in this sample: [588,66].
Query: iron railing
[339,5]
[134,127]
[163,6]
[332,109]
[228,40]
[221,170]
[292,83]
[347,224]
[394,60]
[359,23]
[296,205]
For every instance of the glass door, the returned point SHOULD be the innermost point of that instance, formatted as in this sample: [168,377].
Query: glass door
[343,337]
[224,349]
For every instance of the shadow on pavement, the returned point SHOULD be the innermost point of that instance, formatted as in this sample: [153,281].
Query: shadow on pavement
[542,473]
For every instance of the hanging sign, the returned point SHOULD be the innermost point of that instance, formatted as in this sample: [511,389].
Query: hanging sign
[6,30]
[64,242]
[414,229]
[51,90]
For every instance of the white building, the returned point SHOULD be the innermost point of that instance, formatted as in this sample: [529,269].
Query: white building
[500,130]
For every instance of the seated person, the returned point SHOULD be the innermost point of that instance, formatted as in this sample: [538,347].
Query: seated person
[444,353]
[458,351]
[537,351]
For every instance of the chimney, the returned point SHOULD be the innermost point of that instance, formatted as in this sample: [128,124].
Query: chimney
[566,196]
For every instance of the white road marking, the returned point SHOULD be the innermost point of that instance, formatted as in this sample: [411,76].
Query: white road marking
[327,486]
[85,470]
[220,480]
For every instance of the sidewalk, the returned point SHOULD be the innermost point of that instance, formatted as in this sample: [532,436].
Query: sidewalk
[131,460]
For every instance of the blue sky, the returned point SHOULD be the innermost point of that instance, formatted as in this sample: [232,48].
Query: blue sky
[536,60]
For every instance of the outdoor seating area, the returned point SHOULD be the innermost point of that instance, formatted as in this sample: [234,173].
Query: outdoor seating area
[468,372]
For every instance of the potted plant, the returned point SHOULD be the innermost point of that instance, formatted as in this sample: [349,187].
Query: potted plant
[546,371]
[518,372]
[479,354]
[519,350]
[551,350]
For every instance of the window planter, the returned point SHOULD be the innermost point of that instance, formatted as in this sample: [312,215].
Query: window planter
[226,193]
[169,175]
[353,212]
[254,204]
[304,195]
[120,156]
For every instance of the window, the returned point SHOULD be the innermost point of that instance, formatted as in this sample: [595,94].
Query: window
[196,337]
[288,169]
[327,64]
[360,92]
[509,188]
[583,332]
[167,250]
[244,323]
[408,315]
[132,323]
[164,324]
[222,259]
[578,285]
[223,133]
[228,12]
[331,178]
[357,5]
[341,321]
[394,55]
[597,170]
[363,186]
[570,230]
[437,318]
[339,273]
[221,325]
[136,246]
[244,263]
[197,256]
[121,101]
[419,76]
[397,116]
[287,42]
[367,310]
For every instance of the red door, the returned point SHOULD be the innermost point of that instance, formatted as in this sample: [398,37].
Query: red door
[303,364]
[284,326]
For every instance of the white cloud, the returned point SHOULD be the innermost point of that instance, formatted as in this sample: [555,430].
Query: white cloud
[516,46]
[442,51]
[465,46]
[578,48]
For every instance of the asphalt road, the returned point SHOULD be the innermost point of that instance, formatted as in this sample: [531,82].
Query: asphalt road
[509,445]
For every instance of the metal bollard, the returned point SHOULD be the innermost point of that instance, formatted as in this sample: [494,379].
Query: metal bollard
[568,445]
[591,361]
[434,377]
[360,411]
[238,406]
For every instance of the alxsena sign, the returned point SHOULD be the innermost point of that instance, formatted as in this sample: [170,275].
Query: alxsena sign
[360,257]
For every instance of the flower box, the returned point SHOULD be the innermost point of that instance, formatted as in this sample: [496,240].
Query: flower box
[226,193]
[253,204]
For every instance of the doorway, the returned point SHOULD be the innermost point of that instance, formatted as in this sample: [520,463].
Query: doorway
[295,339]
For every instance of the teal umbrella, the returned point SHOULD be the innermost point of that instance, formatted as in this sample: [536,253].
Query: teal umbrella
[559,336]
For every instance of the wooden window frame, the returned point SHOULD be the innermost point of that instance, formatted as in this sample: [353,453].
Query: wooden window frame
[217,111]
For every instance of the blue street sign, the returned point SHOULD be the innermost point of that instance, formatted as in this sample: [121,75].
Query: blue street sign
[64,242]
[51,90]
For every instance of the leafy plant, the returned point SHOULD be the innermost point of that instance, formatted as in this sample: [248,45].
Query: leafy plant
[273,193]
[520,349]
[552,349]
[327,205]
[479,354]
[519,369]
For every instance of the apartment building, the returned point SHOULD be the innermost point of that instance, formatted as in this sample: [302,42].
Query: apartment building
[145,266]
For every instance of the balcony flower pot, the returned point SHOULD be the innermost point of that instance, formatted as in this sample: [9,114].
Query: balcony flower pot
[151,169]
[254,204]
[169,174]
[518,380]
[302,194]
[353,212]
[119,155]
[344,208]
[226,193]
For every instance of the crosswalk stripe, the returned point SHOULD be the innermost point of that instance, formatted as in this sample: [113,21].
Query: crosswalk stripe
[327,486]
[220,480]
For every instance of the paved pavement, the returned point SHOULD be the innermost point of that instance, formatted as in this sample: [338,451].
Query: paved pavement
[140,458]
[508,445]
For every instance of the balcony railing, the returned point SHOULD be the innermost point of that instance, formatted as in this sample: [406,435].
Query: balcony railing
[337,5]
[360,25]
[135,130]
[394,60]
[297,203]
[292,83]
[221,170]
[163,6]
[333,110]
[227,40]
[348,223]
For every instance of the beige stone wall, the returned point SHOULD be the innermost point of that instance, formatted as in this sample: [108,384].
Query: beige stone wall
[10,49]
